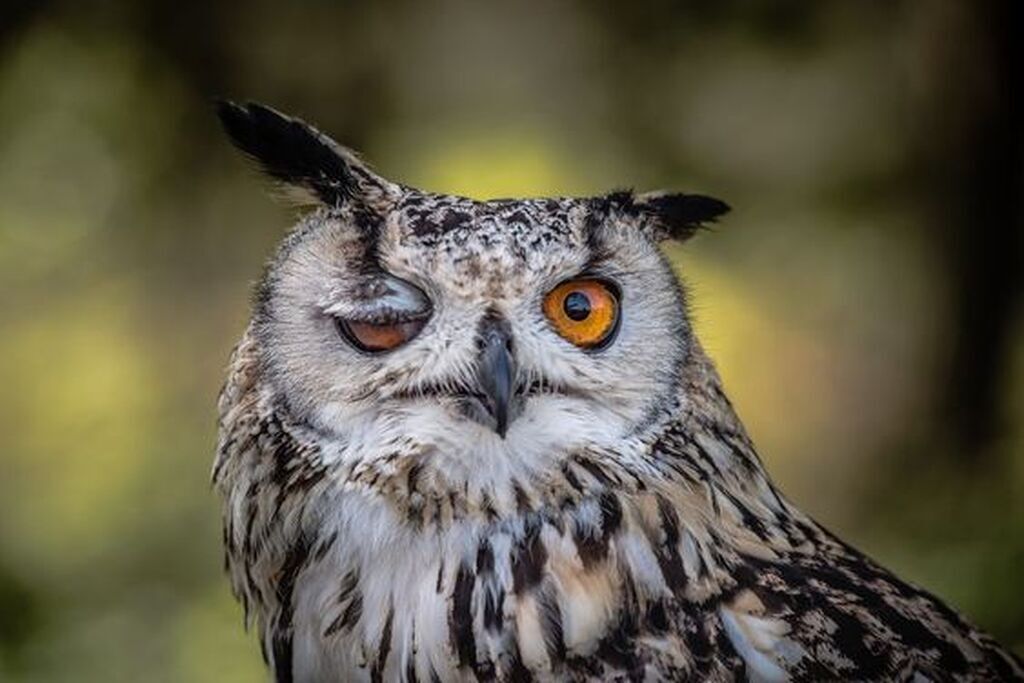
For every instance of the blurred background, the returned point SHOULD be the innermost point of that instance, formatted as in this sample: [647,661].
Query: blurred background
[863,300]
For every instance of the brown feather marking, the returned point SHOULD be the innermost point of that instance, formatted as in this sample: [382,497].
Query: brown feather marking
[529,559]
[354,609]
[667,551]
[460,618]
[384,648]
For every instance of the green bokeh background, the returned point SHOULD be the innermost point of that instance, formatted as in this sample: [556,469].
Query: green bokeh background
[832,297]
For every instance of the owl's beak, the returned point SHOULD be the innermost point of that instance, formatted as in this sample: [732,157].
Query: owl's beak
[496,371]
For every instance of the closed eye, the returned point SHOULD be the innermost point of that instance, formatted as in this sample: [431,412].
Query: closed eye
[371,337]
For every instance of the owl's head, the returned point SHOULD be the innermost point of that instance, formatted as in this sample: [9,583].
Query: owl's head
[485,335]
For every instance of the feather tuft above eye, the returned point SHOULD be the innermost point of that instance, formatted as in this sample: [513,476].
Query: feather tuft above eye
[678,216]
[298,155]
[666,215]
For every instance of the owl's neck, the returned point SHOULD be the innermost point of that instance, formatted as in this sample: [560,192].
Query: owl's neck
[706,434]
[704,451]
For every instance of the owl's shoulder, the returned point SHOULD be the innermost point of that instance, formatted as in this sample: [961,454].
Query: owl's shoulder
[832,612]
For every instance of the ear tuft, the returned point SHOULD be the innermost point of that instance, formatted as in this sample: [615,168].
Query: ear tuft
[293,152]
[678,216]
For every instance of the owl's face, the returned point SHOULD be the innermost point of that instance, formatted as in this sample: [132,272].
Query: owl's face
[484,337]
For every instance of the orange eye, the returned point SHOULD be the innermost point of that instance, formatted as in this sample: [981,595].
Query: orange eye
[583,311]
[372,337]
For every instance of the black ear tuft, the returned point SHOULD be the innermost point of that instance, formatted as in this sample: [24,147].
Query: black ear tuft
[289,150]
[678,216]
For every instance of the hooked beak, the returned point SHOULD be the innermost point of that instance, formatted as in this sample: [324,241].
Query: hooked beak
[496,371]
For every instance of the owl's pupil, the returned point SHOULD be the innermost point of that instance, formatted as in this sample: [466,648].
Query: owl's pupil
[577,306]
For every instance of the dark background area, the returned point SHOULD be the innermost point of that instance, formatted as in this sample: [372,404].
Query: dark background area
[863,300]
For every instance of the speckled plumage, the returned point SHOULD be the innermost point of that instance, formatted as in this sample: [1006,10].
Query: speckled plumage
[376,528]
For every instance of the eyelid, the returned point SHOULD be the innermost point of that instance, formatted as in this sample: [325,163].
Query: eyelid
[600,270]
[380,299]
[383,316]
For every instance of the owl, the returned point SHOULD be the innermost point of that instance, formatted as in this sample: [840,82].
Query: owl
[472,440]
